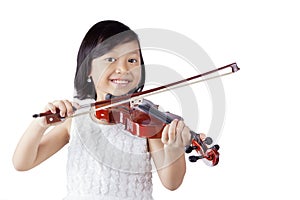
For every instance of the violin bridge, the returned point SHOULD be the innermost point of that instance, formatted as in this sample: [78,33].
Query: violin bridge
[135,101]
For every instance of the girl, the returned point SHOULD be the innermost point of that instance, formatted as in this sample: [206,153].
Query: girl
[105,161]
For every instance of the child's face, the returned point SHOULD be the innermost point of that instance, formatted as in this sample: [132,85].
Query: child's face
[118,71]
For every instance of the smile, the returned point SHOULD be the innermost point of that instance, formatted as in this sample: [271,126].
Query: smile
[120,81]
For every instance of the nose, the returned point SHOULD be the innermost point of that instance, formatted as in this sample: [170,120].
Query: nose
[122,66]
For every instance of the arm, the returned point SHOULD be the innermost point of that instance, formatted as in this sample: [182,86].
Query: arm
[35,146]
[168,154]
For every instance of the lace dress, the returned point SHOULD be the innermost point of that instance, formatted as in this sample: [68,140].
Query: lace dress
[107,162]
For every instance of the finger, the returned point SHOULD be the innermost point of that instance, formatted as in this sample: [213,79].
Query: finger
[51,107]
[69,107]
[172,131]
[62,107]
[202,136]
[164,134]
[179,129]
[186,136]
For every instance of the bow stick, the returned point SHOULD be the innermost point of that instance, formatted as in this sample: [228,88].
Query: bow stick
[135,98]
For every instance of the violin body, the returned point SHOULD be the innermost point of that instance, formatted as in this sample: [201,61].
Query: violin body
[136,121]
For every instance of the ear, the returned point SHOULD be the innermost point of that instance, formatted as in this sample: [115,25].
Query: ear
[89,79]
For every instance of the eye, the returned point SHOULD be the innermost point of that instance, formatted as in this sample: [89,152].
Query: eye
[110,59]
[132,60]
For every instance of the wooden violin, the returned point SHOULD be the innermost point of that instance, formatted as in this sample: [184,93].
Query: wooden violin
[143,119]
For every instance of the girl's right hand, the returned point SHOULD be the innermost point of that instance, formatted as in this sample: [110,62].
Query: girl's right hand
[65,107]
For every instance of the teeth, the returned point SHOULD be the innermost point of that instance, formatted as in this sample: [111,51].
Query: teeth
[120,81]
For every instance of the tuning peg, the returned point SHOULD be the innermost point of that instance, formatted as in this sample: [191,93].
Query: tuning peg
[194,158]
[208,141]
[189,149]
[217,147]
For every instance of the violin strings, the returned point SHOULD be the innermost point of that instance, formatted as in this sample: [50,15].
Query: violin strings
[156,113]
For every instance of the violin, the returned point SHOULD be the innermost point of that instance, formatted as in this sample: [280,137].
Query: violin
[142,118]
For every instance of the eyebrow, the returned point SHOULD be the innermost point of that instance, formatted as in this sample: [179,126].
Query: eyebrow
[127,53]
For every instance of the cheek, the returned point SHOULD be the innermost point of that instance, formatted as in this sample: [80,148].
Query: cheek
[99,74]
[137,75]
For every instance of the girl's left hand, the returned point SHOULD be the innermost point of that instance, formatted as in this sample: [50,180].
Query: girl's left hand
[176,134]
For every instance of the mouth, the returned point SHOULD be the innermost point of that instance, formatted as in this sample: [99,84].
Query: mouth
[120,82]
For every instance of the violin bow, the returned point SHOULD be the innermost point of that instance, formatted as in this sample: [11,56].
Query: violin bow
[135,98]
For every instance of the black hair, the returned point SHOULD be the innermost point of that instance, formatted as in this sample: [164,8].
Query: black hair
[101,38]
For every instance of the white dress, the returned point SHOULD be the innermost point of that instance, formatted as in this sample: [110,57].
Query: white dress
[107,162]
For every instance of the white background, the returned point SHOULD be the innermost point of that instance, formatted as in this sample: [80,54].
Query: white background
[259,144]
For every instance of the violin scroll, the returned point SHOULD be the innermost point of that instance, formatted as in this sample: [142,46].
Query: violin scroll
[210,155]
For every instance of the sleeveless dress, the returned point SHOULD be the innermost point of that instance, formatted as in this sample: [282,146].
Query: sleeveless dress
[107,162]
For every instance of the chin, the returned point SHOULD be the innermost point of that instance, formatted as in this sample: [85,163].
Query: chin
[120,93]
